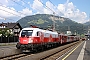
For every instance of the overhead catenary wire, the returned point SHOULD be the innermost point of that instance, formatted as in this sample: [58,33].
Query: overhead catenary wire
[28,4]
[59,15]
[4,18]
[54,13]
[9,12]
[55,6]
[51,2]
[47,6]
[23,1]
[22,6]
[11,9]
[38,9]
[18,3]
[52,16]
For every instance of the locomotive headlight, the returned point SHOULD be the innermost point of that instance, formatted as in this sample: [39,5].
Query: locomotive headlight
[30,40]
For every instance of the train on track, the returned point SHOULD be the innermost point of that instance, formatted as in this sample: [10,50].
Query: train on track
[35,39]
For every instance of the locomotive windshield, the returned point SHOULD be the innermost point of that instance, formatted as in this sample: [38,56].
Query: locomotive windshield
[26,33]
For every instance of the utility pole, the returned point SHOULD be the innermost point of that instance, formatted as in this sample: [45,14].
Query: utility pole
[68,28]
[89,26]
[89,17]
[53,21]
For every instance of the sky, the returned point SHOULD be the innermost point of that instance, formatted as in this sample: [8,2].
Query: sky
[76,10]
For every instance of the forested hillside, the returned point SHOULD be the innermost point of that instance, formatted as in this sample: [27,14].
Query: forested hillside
[46,21]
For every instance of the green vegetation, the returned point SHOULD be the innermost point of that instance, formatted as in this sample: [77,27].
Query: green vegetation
[5,32]
[40,21]
[45,21]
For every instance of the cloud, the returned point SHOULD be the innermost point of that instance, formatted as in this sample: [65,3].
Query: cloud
[11,15]
[4,2]
[49,8]
[26,12]
[70,11]
[38,6]
[42,8]
[6,13]
[7,2]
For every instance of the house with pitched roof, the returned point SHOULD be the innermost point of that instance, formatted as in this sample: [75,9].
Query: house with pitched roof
[15,28]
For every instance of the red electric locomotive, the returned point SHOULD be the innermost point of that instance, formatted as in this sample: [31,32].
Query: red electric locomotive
[34,38]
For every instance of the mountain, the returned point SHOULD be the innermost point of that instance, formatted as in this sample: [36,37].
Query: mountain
[46,21]
[87,23]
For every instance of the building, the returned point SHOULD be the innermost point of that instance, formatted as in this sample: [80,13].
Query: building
[15,28]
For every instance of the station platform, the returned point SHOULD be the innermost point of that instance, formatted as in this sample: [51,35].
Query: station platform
[7,49]
[6,44]
[80,52]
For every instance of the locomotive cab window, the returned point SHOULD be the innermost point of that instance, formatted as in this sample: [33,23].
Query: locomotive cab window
[26,33]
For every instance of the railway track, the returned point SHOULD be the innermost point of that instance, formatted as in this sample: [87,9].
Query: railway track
[57,54]
[51,54]
[13,57]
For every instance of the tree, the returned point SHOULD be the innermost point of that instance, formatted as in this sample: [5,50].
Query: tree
[5,32]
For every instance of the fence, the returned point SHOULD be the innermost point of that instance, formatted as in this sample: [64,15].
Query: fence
[4,39]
